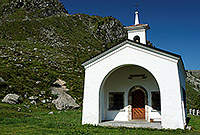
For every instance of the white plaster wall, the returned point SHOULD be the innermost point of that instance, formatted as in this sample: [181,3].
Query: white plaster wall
[171,107]
[141,33]
[120,115]
[91,99]
[155,115]
[164,69]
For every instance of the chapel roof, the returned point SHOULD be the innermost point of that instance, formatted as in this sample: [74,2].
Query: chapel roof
[137,26]
[144,46]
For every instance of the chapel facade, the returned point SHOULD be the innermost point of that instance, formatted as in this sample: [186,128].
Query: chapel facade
[134,81]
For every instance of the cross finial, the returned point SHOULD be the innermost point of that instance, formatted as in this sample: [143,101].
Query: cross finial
[136,5]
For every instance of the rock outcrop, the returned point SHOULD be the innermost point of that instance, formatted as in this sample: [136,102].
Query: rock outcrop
[11,99]
[193,89]
[59,83]
[35,8]
[64,100]
[108,29]
[193,78]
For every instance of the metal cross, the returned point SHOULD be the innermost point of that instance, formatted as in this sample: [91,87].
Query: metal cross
[136,5]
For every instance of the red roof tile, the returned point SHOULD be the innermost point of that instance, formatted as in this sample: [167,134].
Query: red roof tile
[135,25]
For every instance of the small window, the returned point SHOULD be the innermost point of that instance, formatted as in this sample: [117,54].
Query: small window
[116,100]
[155,98]
[137,39]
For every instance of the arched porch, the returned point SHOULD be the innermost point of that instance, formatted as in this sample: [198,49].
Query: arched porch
[118,95]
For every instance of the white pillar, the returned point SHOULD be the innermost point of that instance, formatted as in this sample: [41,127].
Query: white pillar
[197,112]
[190,111]
[193,112]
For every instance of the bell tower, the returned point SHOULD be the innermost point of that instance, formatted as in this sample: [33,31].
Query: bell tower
[137,32]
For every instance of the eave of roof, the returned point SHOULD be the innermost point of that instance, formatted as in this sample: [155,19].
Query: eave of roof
[138,26]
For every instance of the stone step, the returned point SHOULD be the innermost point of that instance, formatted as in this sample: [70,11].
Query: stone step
[131,124]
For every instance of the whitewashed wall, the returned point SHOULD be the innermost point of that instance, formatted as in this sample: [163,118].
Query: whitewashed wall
[141,33]
[163,68]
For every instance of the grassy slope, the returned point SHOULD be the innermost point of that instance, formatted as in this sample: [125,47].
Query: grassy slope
[62,42]
[193,97]
[68,122]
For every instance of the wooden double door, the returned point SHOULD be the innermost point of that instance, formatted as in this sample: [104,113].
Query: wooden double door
[138,104]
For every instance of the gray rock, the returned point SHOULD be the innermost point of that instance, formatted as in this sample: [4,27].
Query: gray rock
[43,101]
[27,106]
[58,91]
[64,100]
[50,113]
[37,82]
[59,83]
[26,95]
[48,101]
[33,102]
[2,80]
[188,127]
[11,99]
[33,98]
[19,109]
[42,92]
[19,65]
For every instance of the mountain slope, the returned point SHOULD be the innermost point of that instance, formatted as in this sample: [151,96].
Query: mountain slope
[37,49]
[193,89]
[15,9]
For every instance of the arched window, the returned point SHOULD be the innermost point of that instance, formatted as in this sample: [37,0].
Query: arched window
[136,39]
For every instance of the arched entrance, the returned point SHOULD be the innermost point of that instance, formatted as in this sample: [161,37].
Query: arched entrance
[138,108]
[138,99]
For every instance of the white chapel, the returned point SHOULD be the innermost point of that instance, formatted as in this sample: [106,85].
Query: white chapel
[134,81]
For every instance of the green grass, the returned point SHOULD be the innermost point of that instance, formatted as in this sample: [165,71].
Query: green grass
[38,121]
[193,97]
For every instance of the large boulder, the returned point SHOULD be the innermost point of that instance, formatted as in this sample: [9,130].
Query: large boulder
[64,100]
[59,83]
[11,99]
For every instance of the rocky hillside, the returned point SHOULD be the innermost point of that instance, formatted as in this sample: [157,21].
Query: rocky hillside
[193,78]
[193,88]
[40,42]
[30,8]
